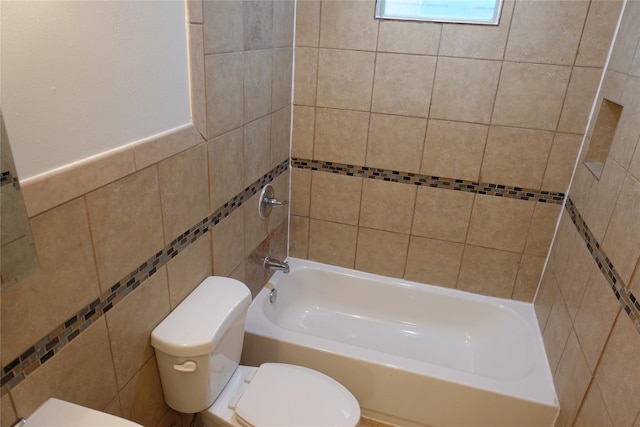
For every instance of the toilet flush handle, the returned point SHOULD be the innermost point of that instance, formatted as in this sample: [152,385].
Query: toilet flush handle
[188,366]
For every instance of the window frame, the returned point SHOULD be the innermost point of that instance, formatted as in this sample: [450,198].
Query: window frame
[380,14]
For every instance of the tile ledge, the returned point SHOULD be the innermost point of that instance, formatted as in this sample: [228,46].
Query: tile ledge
[53,188]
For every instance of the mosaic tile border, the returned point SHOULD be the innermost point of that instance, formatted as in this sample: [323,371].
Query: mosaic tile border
[6,178]
[18,369]
[625,297]
[498,190]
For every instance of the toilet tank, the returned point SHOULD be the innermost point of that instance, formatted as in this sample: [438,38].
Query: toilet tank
[198,345]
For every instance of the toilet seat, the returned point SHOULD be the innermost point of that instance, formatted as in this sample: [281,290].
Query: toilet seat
[282,395]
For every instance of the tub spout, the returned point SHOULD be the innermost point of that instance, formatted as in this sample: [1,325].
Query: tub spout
[275,264]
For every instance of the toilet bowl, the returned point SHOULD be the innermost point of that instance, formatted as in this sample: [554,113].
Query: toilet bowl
[198,349]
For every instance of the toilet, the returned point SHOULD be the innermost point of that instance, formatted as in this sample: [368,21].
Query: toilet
[198,347]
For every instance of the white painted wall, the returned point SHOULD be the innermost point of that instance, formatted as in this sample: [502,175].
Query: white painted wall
[83,77]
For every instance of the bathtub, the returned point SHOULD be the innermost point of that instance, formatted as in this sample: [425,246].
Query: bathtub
[412,354]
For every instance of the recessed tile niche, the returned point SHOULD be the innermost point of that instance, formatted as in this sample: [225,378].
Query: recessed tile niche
[602,137]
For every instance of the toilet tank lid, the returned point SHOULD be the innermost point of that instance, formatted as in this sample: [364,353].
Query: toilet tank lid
[199,322]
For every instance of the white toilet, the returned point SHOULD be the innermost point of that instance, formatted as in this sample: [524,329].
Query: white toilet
[198,349]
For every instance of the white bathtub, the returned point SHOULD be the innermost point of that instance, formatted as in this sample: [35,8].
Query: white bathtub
[412,354]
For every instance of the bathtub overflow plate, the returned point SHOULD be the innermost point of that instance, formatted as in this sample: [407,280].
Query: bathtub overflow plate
[273,296]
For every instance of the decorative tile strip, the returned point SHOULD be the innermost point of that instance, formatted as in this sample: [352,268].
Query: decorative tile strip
[6,178]
[498,190]
[39,353]
[625,297]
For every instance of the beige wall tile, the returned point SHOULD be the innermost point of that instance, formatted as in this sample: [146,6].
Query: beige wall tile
[225,102]
[282,73]
[562,244]
[402,84]
[256,276]
[612,87]
[226,167]
[627,39]
[189,269]
[454,149]
[300,191]
[280,136]
[283,22]
[281,189]
[499,223]
[341,135]
[581,185]
[571,379]
[62,185]
[81,373]
[528,277]
[545,297]
[335,197]
[442,214]
[185,201]
[157,148]
[258,25]
[257,149]
[223,26]
[299,237]
[409,37]
[348,25]
[556,333]
[546,32]
[634,167]
[530,95]
[628,128]
[194,11]
[130,324]
[464,89]
[434,262]
[308,23]
[488,271]
[617,376]
[622,239]
[258,68]
[580,95]
[142,399]
[387,205]
[595,318]
[381,252]
[302,132]
[345,79]
[34,306]
[332,243]
[543,226]
[602,198]
[561,162]
[256,230]
[306,76]
[126,224]
[197,79]
[516,157]
[396,142]
[228,243]
[573,279]
[7,413]
[477,41]
[593,412]
[598,33]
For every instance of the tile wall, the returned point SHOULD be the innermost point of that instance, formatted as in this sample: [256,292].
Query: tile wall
[503,106]
[587,305]
[124,237]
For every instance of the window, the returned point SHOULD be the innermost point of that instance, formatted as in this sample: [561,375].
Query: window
[463,11]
